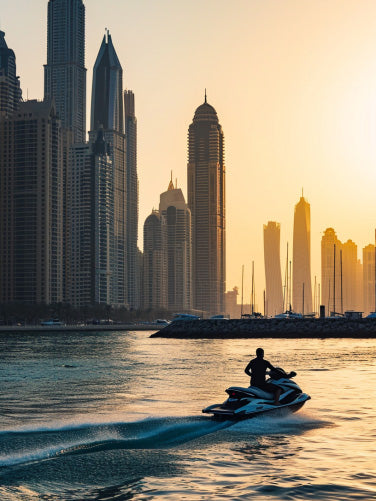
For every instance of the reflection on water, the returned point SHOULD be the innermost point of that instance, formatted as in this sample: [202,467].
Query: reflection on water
[118,416]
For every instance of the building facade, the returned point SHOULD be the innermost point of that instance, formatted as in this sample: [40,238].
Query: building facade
[301,260]
[10,90]
[178,248]
[65,72]
[91,240]
[132,199]
[369,279]
[107,114]
[31,205]
[206,201]
[155,263]
[331,248]
[273,277]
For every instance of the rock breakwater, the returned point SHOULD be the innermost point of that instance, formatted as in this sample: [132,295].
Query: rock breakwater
[338,327]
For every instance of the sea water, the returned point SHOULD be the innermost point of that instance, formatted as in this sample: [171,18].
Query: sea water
[117,416]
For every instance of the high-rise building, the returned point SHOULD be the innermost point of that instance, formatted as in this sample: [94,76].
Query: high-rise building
[301,260]
[350,277]
[330,287]
[10,91]
[107,113]
[369,279]
[31,203]
[92,224]
[65,72]
[177,216]
[273,277]
[132,200]
[206,200]
[155,263]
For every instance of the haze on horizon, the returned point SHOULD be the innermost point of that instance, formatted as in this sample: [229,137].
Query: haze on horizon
[294,86]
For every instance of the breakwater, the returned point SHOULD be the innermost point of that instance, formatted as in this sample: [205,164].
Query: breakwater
[337,327]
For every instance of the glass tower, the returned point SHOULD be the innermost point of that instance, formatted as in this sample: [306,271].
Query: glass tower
[65,72]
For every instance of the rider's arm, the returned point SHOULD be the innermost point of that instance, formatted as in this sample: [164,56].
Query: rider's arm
[269,365]
[247,370]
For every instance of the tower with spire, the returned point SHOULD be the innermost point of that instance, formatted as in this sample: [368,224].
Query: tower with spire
[206,200]
[301,265]
[107,114]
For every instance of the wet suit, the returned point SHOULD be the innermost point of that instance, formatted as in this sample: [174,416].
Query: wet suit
[256,369]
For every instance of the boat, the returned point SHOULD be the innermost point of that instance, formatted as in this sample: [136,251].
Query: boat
[246,403]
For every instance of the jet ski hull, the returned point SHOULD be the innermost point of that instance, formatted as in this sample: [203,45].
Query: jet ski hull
[222,413]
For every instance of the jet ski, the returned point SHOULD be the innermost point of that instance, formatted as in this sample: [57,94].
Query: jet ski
[246,403]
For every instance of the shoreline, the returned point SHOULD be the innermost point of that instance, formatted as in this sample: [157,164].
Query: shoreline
[270,328]
[79,328]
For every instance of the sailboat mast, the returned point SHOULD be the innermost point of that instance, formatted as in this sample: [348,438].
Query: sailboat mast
[340,254]
[334,280]
[253,283]
[241,308]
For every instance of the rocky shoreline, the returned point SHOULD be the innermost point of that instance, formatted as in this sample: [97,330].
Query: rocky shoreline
[338,327]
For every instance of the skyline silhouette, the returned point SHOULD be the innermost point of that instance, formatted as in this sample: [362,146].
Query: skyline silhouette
[296,102]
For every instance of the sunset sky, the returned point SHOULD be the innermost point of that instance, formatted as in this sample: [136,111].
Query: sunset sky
[294,86]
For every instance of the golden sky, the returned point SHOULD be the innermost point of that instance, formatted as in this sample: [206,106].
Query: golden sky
[294,85]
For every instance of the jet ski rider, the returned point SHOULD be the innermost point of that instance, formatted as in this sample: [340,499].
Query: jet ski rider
[256,370]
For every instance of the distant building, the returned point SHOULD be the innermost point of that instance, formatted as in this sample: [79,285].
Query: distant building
[155,263]
[31,205]
[92,224]
[330,292]
[206,200]
[273,277]
[10,91]
[301,263]
[132,200]
[352,279]
[65,72]
[107,114]
[178,242]
[369,279]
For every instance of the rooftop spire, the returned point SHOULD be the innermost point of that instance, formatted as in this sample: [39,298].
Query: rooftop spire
[171,184]
[205,96]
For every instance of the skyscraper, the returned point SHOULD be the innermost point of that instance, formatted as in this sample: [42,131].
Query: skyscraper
[132,200]
[330,288]
[65,72]
[107,113]
[178,250]
[302,258]
[31,202]
[10,91]
[92,224]
[273,277]
[155,263]
[369,279]
[206,200]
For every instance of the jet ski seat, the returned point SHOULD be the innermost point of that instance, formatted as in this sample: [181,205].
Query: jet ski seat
[261,393]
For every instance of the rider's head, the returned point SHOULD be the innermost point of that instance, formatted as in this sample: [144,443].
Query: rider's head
[260,353]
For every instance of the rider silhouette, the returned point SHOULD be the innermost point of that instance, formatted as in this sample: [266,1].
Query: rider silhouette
[256,369]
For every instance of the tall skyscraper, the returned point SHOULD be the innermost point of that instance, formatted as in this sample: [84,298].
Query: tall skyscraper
[178,242]
[132,200]
[155,263]
[302,258]
[65,72]
[92,224]
[10,91]
[350,277]
[330,287]
[31,203]
[107,113]
[369,279]
[273,277]
[206,200]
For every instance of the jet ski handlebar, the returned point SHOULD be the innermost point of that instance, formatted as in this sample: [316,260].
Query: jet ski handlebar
[278,373]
